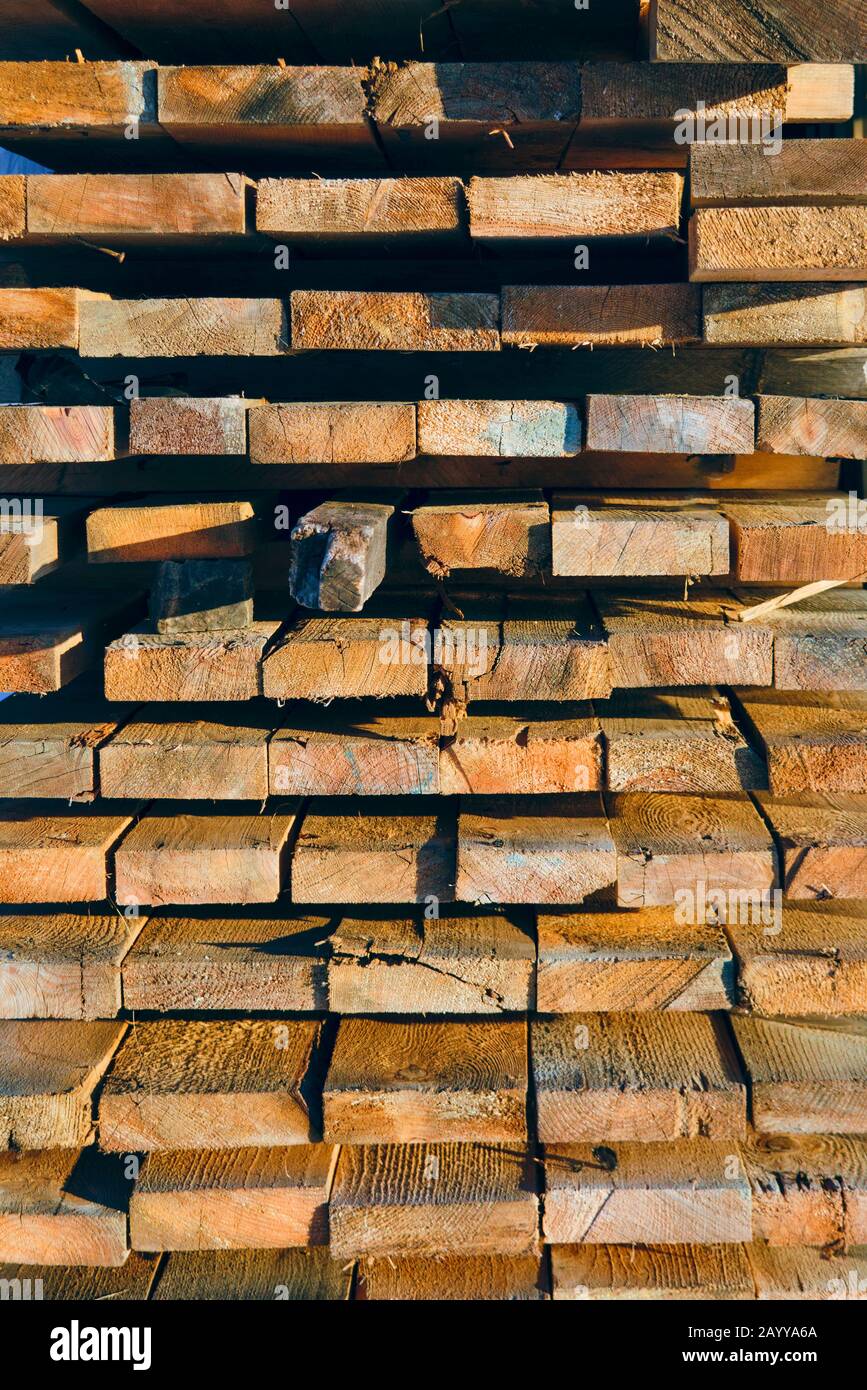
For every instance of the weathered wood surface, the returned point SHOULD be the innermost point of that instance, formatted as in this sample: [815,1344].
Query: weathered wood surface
[223,757]
[677,741]
[63,965]
[375,854]
[807,1189]
[814,965]
[822,843]
[671,424]
[254,962]
[820,172]
[782,540]
[498,429]
[404,321]
[805,1078]
[130,205]
[601,315]
[623,534]
[455,1279]
[198,426]
[51,750]
[51,1212]
[209,666]
[575,206]
[208,327]
[50,1071]
[301,1275]
[133,1281]
[56,434]
[651,1272]
[509,534]
[778,243]
[788,315]
[168,530]
[401,209]
[326,754]
[383,653]
[186,1084]
[832,429]
[233,1199]
[663,641]
[338,554]
[56,856]
[770,31]
[202,595]
[33,320]
[325,432]
[812,742]
[553,748]
[820,644]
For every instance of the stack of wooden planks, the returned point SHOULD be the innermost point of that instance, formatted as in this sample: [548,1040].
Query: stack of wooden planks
[433,537]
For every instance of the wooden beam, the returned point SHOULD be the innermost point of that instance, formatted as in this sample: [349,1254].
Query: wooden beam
[168,530]
[816,965]
[398,320]
[826,173]
[438,965]
[651,1272]
[574,206]
[670,846]
[56,434]
[233,1199]
[789,315]
[252,963]
[433,1200]
[56,856]
[505,534]
[51,750]
[63,965]
[98,100]
[39,320]
[188,1084]
[223,757]
[796,425]
[182,327]
[552,749]
[782,540]
[807,1190]
[625,534]
[13,217]
[383,653]
[602,1077]
[201,596]
[132,206]
[325,432]
[671,424]
[523,850]
[338,554]
[498,429]
[171,857]
[805,1274]
[133,1281]
[209,666]
[406,1082]
[254,1275]
[772,31]
[399,212]
[662,641]
[778,243]
[166,426]
[812,742]
[675,741]
[822,843]
[646,1194]
[805,1078]
[472,1278]
[821,643]
[323,754]
[50,1072]
[375,854]
[38,537]
[49,1214]
[611,962]
[601,315]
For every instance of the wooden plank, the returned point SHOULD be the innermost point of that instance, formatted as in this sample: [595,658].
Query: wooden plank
[575,206]
[394,1200]
[817,173]
[191,1084]
[51,750]
[544,648]
[651,1272]
[821,644]
[100,100]
[550,749]
[522,850]
[778,540]
[168,530]
[796,425]
[222,757]
[56,856]
[383,653]
[201,596]
[822,843]
[210,666]
[408,1082]
[61,965]
[38,320]
[662,641]
[669,845]
[132,206]
[338,553]
[687,1192]
[62,1207]
[816,965]
[38,536]
[166,426]
[635,1076]
[675,741]
[210,327]
[498,429]
[486,115]
[175,857]
[254,1275]
[12,207]
[611,962]
[789,315]
[326,754]
[397,320]
[79,1284]
[626,534]
[233,1199]
[56,434]
[807,1189]
[438,965]
[307,111]
[601,315]
[396,212]
[242,963]
[772,31]
[802,1273]
[812,742]
[671,424]
[373,855]
[50,1071]
[455,1279]
[506,534]
[314,432]
[804,1078]
[778,243]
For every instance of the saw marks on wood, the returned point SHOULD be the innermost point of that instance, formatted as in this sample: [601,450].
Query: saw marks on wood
[556,749]
[56,856]
[320,754]
[434,1200]
[675,741]
[375,854]
[822,843]
[813,964]
[50,1071]
[808,1189]
[297,1276]
[213,666]
[604,1077]
[656,640]
[805,1078]
[183,1084]
[812,743]
[233,1199]
[62,1207]
[51,749]
[651,1272]
[454,1279]
[820,643]
[221,757]
[61,965]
